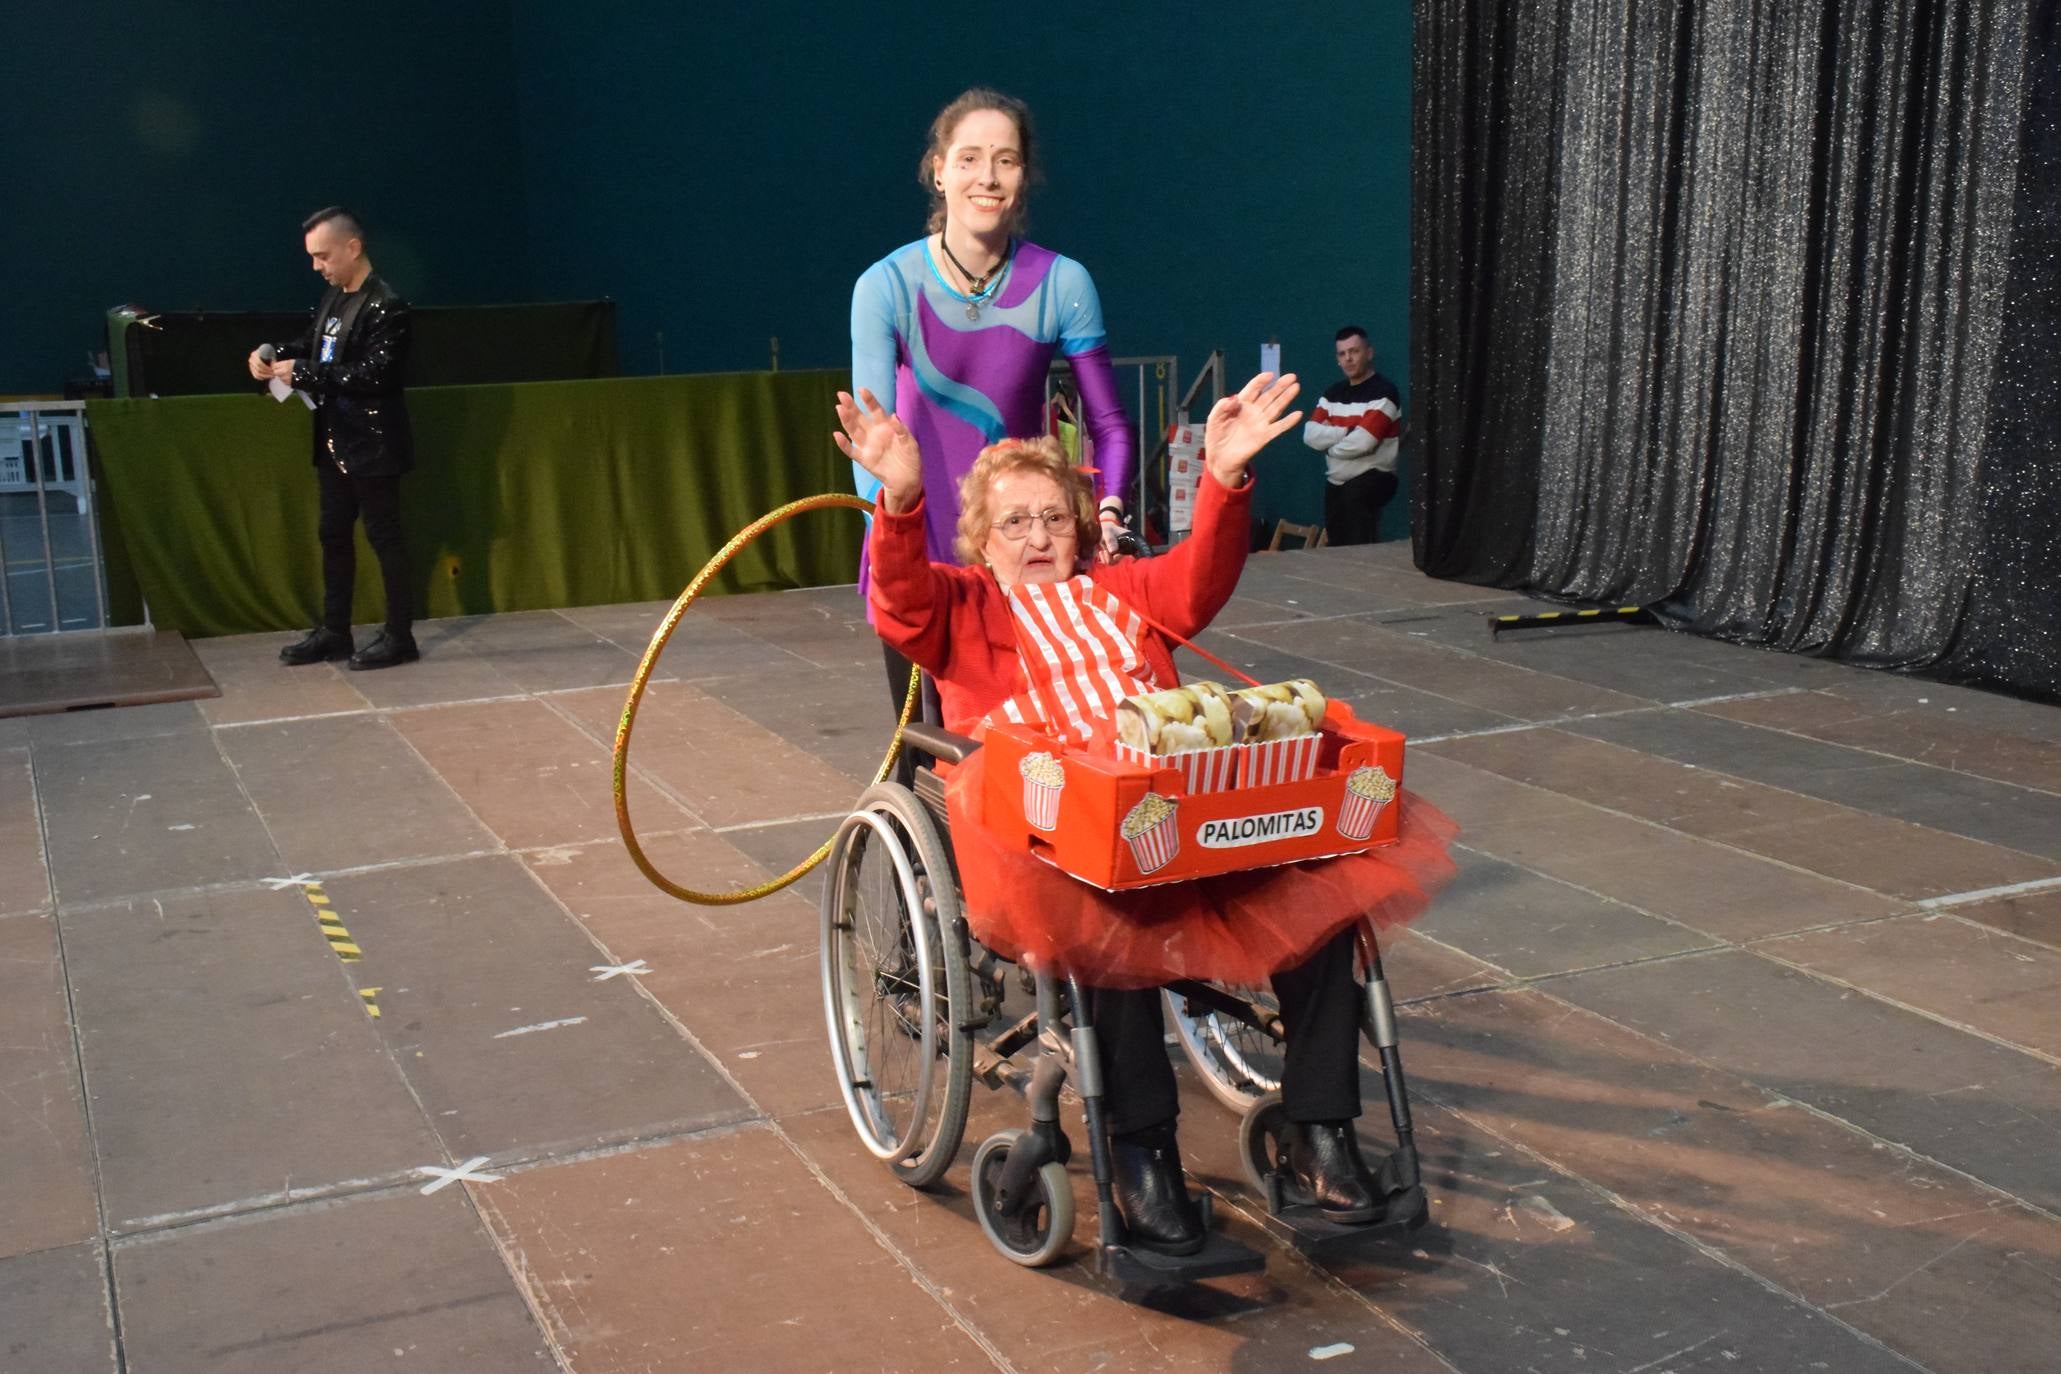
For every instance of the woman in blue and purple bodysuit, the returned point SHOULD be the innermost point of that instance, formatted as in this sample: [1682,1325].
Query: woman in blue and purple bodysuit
[955,333]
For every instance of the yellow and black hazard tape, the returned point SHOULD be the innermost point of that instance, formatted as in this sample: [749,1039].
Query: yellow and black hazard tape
[1543,620]
[340,941]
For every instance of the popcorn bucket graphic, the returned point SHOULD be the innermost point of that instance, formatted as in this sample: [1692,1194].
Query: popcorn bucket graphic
[1153,832]
[1043,780]
[1367,790]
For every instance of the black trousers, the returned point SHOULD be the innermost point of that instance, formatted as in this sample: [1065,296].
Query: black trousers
[377,501]
[1320,1007]
[1352,510]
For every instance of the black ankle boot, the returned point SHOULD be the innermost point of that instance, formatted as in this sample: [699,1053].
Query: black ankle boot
[1152,1194]
[1325,1171]
[386,650]
[318,645]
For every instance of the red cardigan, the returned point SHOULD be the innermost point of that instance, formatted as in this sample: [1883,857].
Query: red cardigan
[955,622]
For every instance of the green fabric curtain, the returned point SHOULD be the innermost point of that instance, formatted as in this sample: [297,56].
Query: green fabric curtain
[525,497]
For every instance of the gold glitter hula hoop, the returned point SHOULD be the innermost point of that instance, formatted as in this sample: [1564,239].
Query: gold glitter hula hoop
[650,660]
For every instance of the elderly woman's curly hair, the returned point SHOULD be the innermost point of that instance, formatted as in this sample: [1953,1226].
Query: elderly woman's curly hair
[1041,455]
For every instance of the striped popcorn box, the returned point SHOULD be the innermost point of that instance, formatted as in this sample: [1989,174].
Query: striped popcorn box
[1280,760]
[1152,830]
[1043,780]
[1203,770]
[1367,790]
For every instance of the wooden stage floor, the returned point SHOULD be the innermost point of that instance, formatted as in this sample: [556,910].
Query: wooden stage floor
[1736,1046]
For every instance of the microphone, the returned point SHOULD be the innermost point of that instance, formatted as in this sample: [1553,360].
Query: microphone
[267,353]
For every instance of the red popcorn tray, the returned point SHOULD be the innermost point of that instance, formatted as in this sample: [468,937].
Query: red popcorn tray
[1133,822]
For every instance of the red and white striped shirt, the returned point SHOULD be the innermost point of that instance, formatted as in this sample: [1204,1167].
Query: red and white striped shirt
[1356,428]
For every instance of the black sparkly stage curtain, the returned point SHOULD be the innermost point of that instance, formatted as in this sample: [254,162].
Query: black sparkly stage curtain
[1747,311]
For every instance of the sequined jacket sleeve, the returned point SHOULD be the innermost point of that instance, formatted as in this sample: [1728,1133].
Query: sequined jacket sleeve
[385,328]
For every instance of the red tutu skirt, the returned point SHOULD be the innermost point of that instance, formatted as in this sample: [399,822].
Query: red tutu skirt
[1237,929]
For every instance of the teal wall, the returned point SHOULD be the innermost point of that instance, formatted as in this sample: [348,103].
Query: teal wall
[166,152]
[1227,172]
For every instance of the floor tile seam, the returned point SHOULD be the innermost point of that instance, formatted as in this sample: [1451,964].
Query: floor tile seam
[1888,759]
[740,826]
[1555,722]
[392,1183]
[1950,901]
[1847,811]
[1487,596]
[109,1290]
[477,1202]
[907,1263]
[1535,980]
[772,1124]
[1374,677]
[238,884]
[1447,696]
[1775,1097]
[1938,1018]
[1918,1156]
[28,757]
[1994,932]
[1727,844]
[1504,977]
[644,775]
[519,1277]
[500,840]
[1885,754]
[1573,886]
[42,834]
[639,651]
[1282,1236]
[1626,1207]
[366,710]
[527,851]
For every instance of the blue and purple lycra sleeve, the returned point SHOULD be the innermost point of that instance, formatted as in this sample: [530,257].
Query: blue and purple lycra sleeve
[873,353]
[1084,342]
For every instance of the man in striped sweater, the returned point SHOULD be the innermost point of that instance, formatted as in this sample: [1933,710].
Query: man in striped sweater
[1357,427]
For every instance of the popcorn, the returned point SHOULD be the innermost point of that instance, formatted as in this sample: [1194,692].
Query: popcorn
[1279,710]
[1197,716]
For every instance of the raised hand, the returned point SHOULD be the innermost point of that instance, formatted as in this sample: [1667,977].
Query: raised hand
[1240,425]
[881,444]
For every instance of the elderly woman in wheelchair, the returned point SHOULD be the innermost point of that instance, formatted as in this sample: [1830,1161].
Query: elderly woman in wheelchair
[1028,628]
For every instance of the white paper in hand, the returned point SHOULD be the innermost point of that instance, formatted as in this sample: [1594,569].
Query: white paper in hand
[280,391]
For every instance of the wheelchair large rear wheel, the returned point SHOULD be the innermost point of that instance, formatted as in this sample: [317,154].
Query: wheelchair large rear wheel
[1238,1063]
[897,993]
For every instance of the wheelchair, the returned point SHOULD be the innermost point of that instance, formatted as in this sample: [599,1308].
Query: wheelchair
[917,1010]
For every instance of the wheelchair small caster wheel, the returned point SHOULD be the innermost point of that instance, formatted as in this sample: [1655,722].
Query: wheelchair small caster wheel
[1262,1145]
[1041,1224]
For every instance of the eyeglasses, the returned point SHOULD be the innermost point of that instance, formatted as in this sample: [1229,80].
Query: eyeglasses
[1058,523]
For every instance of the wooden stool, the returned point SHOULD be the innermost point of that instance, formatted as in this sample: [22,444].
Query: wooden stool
[1312,536]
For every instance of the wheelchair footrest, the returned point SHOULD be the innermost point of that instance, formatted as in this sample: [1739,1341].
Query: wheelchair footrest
[1406,1210]
[1219,1258]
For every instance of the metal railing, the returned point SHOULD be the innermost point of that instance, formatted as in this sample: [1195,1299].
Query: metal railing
[1161,404]
[51,575]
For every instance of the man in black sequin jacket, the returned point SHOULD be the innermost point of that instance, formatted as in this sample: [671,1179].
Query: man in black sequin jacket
[350,363]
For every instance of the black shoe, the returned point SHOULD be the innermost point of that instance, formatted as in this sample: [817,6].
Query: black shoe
[1153,1197]
[385,651]
[317,646]
[1325,1171]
